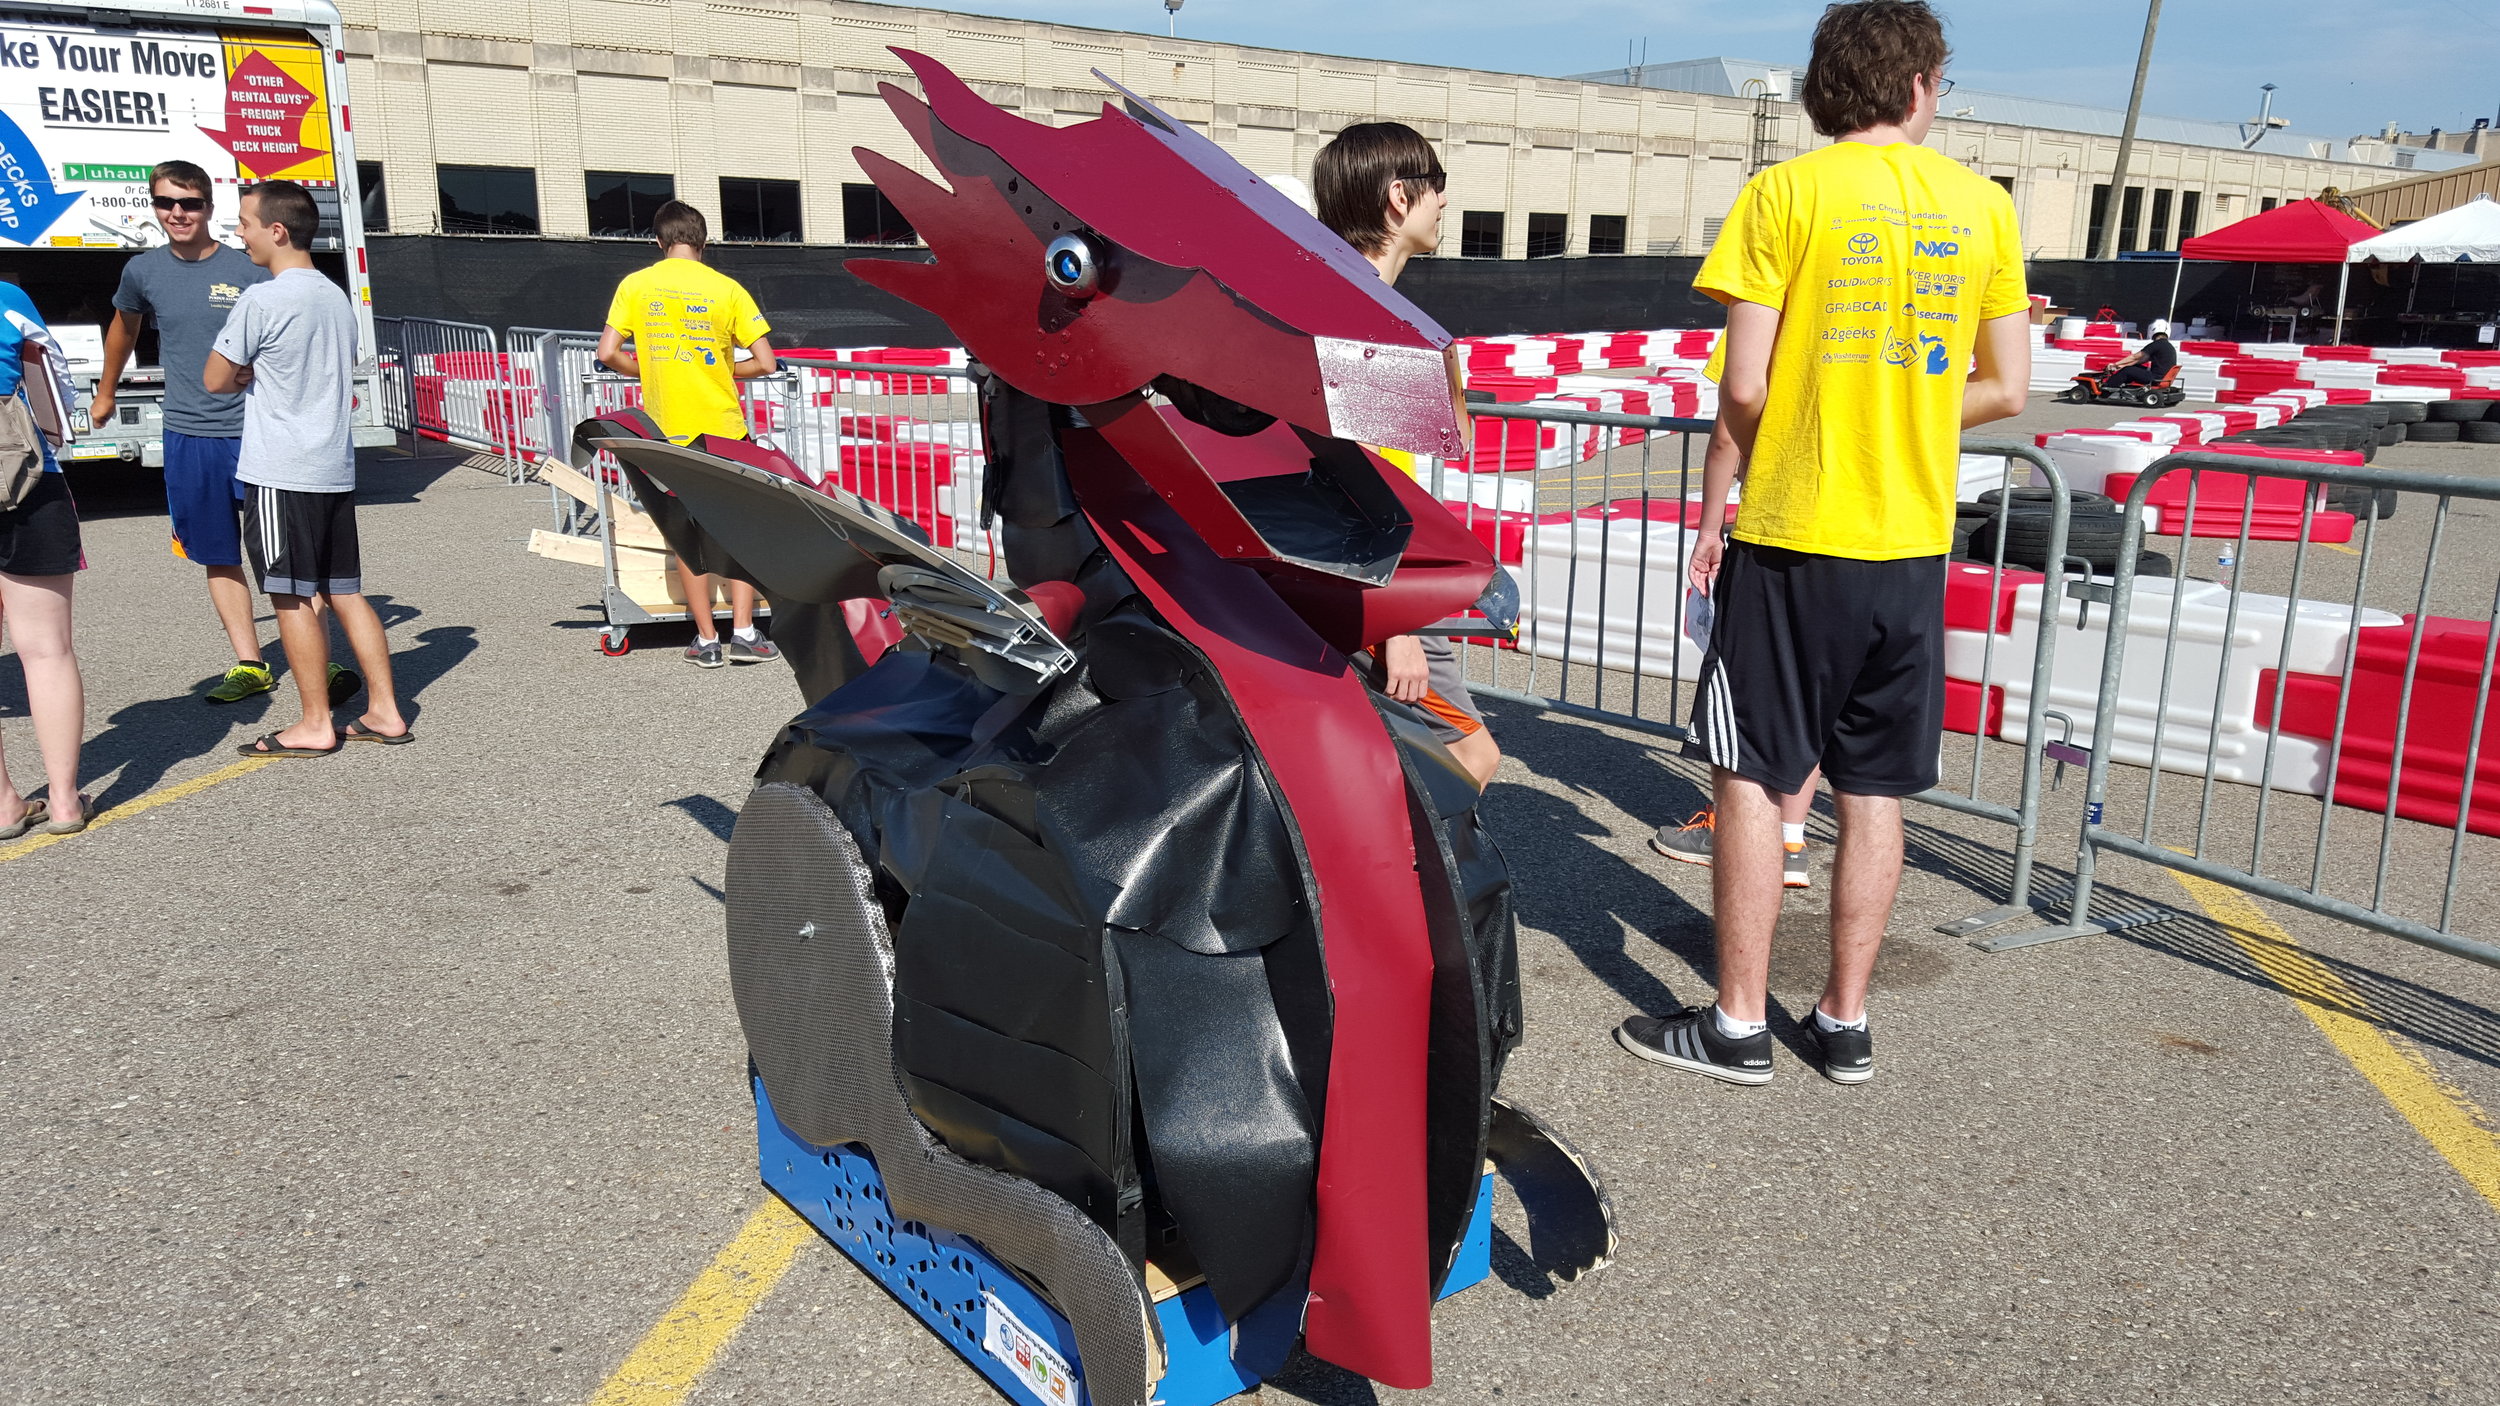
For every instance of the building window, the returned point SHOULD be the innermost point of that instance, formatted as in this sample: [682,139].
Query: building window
[376,206]
[1480,234]
[2131,220]
[1549,236]
[488,199]
[2005,181]
[759,212]
[1710,227]
[1608,233]
[869,218]
[623,202]
[2161,221]
[2267,203]
[2098,223]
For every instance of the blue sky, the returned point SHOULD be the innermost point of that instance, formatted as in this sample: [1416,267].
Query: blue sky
[2344,67]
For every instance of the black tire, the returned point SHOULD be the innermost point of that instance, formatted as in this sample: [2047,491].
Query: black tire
[2406,412]
[2457,412]
[2026,498]
[2392,434]
[2361,500]
[2091,533]
[1966,519]
[2481,431]
[2436,432]
[2168,398]
[2374,412]
[2154,564]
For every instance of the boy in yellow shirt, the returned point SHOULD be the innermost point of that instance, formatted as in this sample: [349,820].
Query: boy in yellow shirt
[687,321]
[1860,280]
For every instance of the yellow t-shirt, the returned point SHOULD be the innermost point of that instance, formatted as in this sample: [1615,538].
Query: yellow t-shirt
[1883,261]
[686,317]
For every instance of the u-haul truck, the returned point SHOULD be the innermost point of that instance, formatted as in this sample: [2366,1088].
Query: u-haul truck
[93,96]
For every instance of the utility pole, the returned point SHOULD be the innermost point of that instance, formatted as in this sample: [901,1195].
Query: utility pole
[2115,210]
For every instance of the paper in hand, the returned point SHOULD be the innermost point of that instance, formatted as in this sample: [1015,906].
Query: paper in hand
[1697,616]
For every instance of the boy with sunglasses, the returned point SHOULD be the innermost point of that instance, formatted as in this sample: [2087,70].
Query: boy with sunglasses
[1381,188]
[188,286]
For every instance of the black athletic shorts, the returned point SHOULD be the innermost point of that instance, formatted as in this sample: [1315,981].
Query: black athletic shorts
[1827,660]
[302,544]
[39,537]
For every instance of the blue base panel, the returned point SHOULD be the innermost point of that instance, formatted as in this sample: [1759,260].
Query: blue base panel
[995,1322]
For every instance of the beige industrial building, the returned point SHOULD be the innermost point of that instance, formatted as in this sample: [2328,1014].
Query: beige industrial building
[574,118]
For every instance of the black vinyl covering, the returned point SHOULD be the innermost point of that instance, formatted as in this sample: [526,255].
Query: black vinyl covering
[1101,921]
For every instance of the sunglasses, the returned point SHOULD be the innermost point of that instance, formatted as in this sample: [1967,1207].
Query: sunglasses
[1435,181]
[192,203]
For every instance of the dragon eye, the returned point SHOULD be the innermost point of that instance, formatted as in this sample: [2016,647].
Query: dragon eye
[1073,264]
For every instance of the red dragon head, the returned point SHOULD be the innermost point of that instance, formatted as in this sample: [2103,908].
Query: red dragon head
[1080,263]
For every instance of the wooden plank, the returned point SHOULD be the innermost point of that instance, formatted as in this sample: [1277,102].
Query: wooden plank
[584,551]
[633,529]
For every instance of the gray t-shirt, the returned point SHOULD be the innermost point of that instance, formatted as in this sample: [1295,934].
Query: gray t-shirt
[189,302]
[298,334]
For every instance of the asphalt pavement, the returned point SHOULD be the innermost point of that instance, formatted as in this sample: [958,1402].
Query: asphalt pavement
[411,1074]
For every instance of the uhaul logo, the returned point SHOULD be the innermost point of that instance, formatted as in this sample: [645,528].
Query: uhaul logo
[1935,248]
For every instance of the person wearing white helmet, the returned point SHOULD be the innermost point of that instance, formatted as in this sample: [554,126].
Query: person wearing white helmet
[2148,365]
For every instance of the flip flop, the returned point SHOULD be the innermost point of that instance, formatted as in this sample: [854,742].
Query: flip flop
[270,746]
[86,812]
[37,811]
[356,731]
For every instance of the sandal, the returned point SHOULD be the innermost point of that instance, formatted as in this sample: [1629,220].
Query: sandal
[269,746]
[356,731]
[86,812]
[36,811]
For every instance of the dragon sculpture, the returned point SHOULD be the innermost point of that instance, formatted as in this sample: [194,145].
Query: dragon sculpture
[1110,911]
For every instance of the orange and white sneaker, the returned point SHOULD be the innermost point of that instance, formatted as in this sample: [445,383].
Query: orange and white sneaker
[1689,842]
[1793,872]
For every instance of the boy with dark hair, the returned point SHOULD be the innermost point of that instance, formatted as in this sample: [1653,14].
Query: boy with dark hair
[687,321]
[1380,187]
[188,287]
[290,350]
[1860,281]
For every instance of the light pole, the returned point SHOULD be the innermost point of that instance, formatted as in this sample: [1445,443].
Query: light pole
[2116,209]
[1172,18]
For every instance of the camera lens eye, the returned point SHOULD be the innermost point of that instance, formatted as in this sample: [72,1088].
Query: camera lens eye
[1073,265]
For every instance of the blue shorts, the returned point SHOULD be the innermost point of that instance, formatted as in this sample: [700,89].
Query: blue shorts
[203,499]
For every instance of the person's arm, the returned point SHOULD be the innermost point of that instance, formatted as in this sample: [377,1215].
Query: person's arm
[1407,672]
[121,336]
[1744,388]
[223,377]
[759,361]
[614,355]
[2002,384]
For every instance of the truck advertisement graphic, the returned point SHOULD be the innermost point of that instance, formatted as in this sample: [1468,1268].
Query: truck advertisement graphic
[86,110]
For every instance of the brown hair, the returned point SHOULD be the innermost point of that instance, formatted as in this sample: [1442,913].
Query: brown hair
[181,175]
[1350,178]
[1865,55]
[680,223]
[290,207]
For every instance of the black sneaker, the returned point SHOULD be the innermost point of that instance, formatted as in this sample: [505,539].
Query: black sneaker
[760,652]
[705,654]
[1690,1040]
[1848,1055]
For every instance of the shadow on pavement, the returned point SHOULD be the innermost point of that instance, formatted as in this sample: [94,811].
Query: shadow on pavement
[2390,1002]
[1572,881]
[145,740]
[708,813]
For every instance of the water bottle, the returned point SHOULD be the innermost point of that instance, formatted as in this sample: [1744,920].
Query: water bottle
[2222,567]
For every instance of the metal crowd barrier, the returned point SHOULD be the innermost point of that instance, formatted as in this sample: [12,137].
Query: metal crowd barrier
[2312,709]
[453,384]
[1593,512]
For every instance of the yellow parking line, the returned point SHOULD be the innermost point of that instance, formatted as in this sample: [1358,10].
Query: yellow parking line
[18,849]
[664,1367]
[2452,1123]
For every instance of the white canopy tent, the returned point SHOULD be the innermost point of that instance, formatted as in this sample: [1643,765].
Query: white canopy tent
[2468,234]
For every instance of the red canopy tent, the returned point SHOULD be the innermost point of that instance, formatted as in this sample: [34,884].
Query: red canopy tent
[2303,232]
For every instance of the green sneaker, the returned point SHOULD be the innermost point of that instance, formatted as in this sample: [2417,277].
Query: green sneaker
[345,683]
[241,682]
